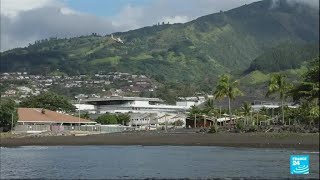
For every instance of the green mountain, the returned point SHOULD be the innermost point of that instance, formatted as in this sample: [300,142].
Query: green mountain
[283,57]
[197,51]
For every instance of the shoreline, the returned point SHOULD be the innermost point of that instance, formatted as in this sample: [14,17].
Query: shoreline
[296,141]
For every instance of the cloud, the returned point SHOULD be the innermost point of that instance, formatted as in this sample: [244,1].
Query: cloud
[175,19]
[26,24]
[12,8]
[177,11]
[24,21]
[310,3]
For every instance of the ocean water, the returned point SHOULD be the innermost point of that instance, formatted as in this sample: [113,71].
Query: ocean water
[143,162]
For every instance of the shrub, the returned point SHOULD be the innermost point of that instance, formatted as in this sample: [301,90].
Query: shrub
[213,129]
[178,123]
[252,128]
[239,126]
[107,119]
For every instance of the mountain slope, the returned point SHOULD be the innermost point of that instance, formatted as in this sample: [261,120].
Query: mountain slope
[283,57]
[196,51]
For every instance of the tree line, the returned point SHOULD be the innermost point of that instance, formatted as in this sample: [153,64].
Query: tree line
[305,93]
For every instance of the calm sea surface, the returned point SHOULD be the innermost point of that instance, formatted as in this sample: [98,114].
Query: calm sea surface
[140,162]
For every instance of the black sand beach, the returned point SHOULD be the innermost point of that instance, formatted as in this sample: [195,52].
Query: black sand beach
[254,140]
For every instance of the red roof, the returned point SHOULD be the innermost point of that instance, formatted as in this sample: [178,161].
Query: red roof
[36,115]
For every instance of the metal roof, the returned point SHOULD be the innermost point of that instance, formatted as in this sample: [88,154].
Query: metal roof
[38,115]
[120,98]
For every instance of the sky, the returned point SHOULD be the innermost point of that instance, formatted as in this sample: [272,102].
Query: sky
[25,21]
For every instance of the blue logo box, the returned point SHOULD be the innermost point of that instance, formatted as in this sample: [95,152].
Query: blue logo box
[299,164]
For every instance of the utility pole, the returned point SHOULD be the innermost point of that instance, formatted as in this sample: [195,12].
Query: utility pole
[195,120]
[11,123]
[165,118]
[220,114]
[79,111]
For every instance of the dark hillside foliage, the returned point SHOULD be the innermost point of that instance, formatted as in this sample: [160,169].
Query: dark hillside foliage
[285,56]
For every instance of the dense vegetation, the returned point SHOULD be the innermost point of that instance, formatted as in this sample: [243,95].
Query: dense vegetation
[195,52]
[8,114]
[285,56]
[304,118]
[48,100]
[113,119]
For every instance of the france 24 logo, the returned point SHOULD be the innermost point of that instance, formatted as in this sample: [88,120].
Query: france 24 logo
[299,164]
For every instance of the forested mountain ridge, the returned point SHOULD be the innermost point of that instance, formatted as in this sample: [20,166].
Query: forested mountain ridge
[197,51]
[283,57]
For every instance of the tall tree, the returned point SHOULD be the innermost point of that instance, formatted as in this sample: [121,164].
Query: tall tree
[308,92]
[48,100]
[278,84]
[8,113]
[123,118]
[309,88]
[246,109]
[209,107]
[226,87]
[85,116]
[194,111]
[107,119]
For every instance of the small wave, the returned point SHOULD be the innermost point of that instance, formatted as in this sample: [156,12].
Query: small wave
[34,147]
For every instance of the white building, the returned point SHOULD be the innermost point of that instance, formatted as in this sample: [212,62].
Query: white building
[143,119]
[24,89]
[137,105]
[85,107]
[143,111]
[258,105]
[171,118]
[155,120]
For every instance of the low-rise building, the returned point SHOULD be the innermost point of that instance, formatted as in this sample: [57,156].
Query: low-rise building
[121,104]
[38,116]
[258,105]
[156,120]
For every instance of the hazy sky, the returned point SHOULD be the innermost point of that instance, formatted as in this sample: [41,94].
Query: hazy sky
[24,21]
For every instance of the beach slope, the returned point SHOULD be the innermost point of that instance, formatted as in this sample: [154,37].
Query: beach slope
[256,140]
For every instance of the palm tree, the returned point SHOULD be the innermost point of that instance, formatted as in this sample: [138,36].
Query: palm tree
[209,109]
[278,84]
[193,112]
[227,88]
[246,109]
[209,103]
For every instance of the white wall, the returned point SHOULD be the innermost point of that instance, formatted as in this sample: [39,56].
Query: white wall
[84,106]
[141,103]
[170,118]
[187,104]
